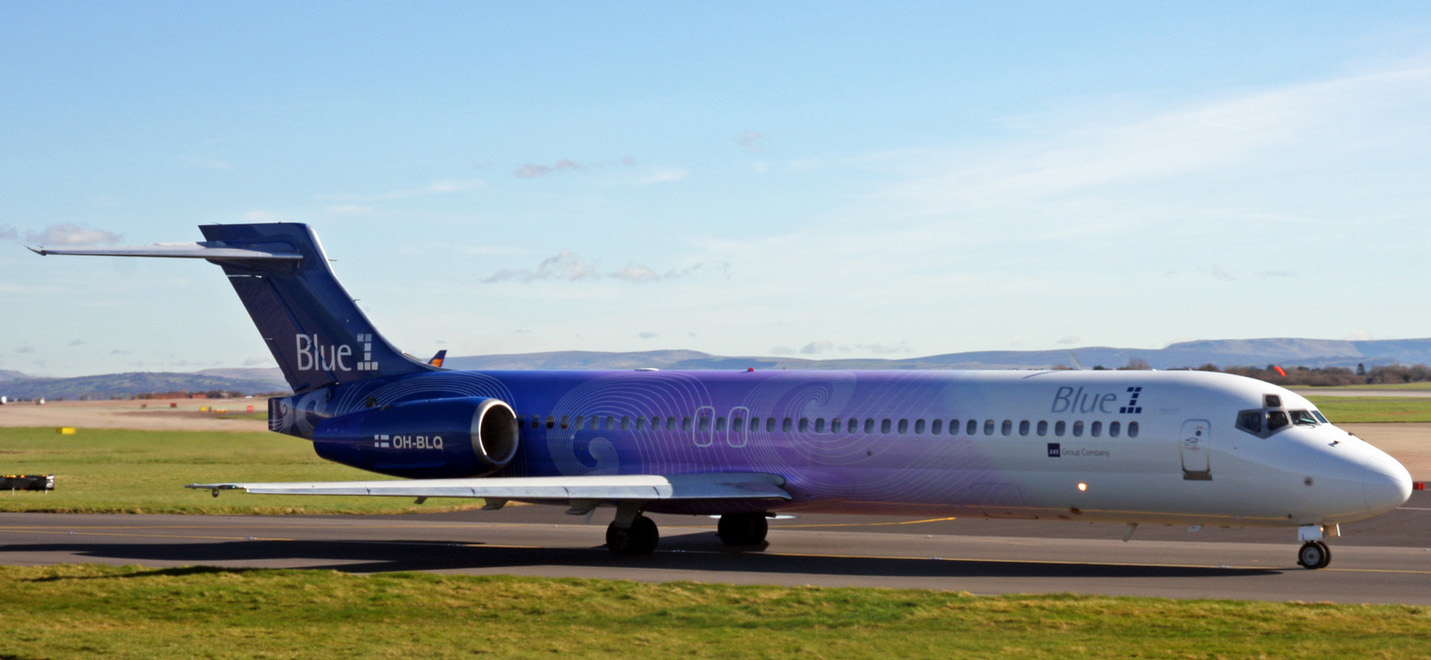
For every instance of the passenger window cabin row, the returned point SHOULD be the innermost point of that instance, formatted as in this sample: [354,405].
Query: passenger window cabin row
[852,425]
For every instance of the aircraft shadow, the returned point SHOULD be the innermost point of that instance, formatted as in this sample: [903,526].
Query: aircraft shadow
[682,555]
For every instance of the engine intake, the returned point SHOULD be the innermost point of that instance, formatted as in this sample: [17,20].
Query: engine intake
[428,439]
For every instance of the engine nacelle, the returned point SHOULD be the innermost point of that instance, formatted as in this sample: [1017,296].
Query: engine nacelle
[429,439]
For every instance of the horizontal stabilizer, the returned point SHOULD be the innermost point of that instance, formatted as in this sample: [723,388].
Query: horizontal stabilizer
[315,331]
[208,250]
[642,487]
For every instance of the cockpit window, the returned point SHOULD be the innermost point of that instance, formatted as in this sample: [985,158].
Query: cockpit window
[1262,422]
[1250,421]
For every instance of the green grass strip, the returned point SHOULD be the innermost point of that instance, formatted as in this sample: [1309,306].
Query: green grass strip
[1364,409]
[1378,386]
[124,471]
[96,611]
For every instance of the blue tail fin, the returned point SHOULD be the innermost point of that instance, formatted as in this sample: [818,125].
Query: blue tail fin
[314,329]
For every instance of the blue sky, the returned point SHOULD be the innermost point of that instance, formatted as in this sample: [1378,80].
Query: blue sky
[818,179]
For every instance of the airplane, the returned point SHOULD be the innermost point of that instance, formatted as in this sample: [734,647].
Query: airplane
[1136,447]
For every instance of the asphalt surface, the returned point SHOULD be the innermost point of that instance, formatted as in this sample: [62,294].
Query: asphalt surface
[1384,560]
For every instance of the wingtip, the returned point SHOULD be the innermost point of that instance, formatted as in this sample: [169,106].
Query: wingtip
[40,250]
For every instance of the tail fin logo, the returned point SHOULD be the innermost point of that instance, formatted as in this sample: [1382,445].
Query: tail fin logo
[367,364]
[314,355]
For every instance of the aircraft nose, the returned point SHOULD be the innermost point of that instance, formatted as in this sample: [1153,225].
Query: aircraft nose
[1386,486]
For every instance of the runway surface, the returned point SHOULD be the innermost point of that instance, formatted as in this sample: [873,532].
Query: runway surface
[1385,560]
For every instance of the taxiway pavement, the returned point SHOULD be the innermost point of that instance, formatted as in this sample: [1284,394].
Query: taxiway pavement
[1384,560]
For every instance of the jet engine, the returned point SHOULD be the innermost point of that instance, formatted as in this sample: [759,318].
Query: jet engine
[428,439]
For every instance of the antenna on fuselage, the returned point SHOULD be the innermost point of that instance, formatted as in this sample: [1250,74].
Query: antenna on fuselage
[1073,359]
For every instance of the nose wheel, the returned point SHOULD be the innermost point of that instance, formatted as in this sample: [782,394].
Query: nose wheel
[1314,555]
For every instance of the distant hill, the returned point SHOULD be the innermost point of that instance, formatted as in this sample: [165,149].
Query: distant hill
[131,384]
[1221,353]
[267,374]
[603,360]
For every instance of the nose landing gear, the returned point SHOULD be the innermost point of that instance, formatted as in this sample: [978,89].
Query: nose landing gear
[1314,555]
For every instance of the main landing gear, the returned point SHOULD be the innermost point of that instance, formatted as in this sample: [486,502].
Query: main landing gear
[742,529]
[1314,555]
[634,534]
[637,538]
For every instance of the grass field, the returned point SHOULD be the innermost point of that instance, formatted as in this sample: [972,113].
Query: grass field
[1379,386]
[108,470]
[1357,409]
[91,611]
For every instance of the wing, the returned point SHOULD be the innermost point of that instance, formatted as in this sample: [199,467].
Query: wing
[582,492]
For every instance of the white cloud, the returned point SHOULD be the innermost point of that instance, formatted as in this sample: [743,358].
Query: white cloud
[532,171]
[571,267]
[1238,188]
[8,233]
[823,346]
[349,210]
[878,349]
[641,274]
[1106,177]
[69,235]
[438,187]
[664,175]
[751,142]
[567,266]
[637,274]
[817,347]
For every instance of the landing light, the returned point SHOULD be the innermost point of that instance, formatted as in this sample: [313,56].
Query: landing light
[1082,486]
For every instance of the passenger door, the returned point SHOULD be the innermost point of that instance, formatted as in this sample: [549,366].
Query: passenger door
[1196,448]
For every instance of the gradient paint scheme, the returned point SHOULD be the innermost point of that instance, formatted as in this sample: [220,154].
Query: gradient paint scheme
[1253,481]
[1005,445]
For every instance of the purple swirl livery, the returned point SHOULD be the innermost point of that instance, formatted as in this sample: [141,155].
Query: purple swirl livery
[1176,447]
